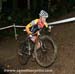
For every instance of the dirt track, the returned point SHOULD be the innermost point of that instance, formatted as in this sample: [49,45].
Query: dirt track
[64,36]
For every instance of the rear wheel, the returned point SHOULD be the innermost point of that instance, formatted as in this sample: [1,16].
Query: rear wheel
[46,54]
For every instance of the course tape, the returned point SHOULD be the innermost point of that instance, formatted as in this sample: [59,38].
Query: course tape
[52,23]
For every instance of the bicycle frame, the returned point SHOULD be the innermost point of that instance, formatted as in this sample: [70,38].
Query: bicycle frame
[36,41]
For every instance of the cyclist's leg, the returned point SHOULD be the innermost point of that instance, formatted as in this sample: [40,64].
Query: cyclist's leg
[39,45]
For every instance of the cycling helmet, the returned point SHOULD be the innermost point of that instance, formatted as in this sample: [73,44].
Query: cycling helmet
[43,14]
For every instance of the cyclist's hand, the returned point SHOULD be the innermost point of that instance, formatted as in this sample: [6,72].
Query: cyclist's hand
[38,33]
[30,36]
[24,30]
[49,29]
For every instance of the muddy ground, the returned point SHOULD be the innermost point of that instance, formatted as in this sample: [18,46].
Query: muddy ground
[63,35]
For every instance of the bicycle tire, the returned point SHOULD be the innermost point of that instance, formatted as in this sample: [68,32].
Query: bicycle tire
[54,54]
[22,56]
[23,59]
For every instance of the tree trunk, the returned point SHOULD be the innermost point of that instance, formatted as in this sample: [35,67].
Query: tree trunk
[28,4]
[28,7]
[49,5]
[0,5]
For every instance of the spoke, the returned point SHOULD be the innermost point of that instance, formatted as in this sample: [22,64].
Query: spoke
[44,59]
[48,58]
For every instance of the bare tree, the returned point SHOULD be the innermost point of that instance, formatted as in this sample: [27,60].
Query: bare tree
[28,4]
[0,5]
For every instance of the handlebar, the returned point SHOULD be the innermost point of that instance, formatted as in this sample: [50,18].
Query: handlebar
[38,33]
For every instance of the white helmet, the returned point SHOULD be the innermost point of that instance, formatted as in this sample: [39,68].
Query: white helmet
[43,14]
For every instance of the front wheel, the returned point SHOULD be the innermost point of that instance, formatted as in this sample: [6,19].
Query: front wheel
[22,56]
[23,52]
[46,54]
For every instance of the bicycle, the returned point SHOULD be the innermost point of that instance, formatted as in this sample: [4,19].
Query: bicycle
[45,55]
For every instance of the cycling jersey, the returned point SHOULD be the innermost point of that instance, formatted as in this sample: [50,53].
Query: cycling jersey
[35,25]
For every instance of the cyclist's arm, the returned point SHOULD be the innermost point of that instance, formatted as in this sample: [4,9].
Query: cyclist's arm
[48,27]
[34,22]
[28,28]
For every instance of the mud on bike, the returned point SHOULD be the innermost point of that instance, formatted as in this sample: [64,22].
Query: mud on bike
[45,55]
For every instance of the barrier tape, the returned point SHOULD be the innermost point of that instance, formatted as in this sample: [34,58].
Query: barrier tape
[11,26]
[19,26]
[15,26]
[52,23]
[6,27]
[63,21]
